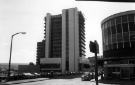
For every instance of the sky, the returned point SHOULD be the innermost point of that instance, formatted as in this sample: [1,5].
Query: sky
[28,16]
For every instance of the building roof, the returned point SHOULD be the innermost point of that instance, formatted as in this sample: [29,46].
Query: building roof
[118,14]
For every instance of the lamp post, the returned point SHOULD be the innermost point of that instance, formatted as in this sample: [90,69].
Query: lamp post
[9,65]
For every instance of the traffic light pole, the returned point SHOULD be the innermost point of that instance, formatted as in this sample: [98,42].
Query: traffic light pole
[96,69]
[94,47]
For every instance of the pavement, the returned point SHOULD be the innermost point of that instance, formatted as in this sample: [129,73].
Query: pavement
[117,82]
[22,81]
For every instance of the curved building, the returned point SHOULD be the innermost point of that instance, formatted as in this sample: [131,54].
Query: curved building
[118,33]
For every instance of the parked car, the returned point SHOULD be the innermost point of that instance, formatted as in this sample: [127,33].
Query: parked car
[28,75]
[87,76]
[37,75]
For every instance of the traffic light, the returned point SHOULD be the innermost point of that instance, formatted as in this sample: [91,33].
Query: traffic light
[94,47]
[110,0]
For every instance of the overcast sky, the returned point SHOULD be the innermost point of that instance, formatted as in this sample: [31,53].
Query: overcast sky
[28,16]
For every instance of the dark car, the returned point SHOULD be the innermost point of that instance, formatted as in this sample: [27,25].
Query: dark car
[87,76]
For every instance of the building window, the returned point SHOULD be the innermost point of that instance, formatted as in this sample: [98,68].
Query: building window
[119,28]
[120,45]
[109,35]
[113,30]
[118,20]
[113,22]
[123,61]
[131,61]
[126,37]
[119,37]
[125,27]
[132,26]
[114,39]
[131,17]
[133,44]
[124,18]
[114,46]
[132,37]
[126,44]
[50,66]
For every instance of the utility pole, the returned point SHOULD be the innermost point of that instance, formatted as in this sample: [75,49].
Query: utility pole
[96,69]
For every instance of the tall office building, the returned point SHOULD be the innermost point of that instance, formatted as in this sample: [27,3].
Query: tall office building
[64,41]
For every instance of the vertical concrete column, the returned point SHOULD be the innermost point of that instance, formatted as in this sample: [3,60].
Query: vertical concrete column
[63,62]
[71,40]
[77,57]
[48,36]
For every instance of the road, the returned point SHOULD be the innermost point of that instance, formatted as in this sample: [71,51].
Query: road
[74,81]
[69,81]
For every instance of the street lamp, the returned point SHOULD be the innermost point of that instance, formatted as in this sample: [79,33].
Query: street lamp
[11,51]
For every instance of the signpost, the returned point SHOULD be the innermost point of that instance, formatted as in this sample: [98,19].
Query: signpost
[94,47]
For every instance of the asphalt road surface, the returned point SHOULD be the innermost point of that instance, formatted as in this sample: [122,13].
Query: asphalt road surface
[45,81]
[74,81]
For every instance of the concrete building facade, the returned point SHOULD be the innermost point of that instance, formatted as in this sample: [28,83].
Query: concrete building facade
[65,41]
[118,32]
[40,51]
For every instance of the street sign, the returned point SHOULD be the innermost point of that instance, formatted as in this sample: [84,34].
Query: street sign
[110,0]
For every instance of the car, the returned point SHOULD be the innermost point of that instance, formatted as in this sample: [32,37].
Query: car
[37,75]
[28,75]
[87,76]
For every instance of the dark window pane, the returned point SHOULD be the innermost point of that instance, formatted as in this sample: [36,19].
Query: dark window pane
[118,20]
[113,30]
[109,46]
[119,29]
[132,33]
[109,31]
[119,37]
[125,27]
[132,37]
[114,46]
[133,44]
[120,45]
[114,39]
[105,25]
[106,35]
[109,39]
[112,22]
[124,18]
[126,37]
[132,26]
[109,23]
[131,17]
[126,44]
[109,35]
